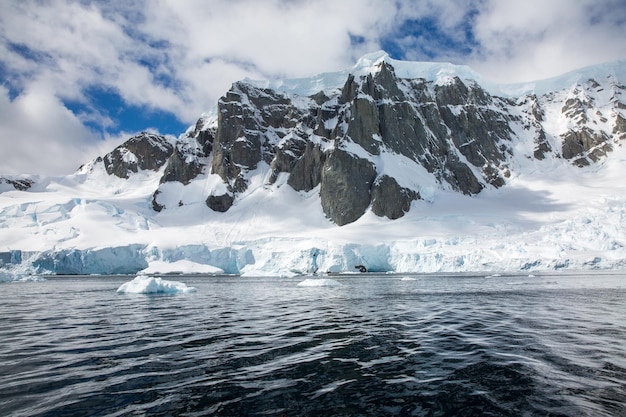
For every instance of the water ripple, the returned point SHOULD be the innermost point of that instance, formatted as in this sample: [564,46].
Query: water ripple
[374,346]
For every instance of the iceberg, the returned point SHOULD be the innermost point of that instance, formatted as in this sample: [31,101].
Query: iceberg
[152,285]
[319,282]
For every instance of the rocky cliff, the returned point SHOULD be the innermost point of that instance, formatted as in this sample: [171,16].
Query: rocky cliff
[351,142]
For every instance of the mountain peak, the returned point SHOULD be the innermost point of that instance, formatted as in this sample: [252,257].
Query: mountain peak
[437,72]
[368,61]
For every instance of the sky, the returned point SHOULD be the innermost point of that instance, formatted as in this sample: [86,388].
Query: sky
[80,77]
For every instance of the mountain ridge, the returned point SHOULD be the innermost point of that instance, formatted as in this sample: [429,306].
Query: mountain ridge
[432,71]
[391,172]
[456,130]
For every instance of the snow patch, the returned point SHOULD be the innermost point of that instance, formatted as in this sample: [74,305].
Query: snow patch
[182,266]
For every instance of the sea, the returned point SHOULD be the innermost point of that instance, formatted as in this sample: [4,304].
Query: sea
[551,344]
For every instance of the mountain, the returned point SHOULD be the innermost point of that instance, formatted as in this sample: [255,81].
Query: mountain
[397,166]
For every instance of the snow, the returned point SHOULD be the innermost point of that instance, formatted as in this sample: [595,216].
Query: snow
[550,215]
[438,72]
[151,285]
[441,73]
[182,266]
[319,282]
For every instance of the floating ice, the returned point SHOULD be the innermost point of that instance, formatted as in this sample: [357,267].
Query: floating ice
[31,278]
[319,282]
[152,285]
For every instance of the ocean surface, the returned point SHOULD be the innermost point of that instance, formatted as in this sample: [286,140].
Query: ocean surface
[419,345]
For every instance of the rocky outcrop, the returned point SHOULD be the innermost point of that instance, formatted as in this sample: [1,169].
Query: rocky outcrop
[584,145]
[306,173]
[251,124]
[145,151]
[339,140]
[188,158]
[220,202]
[589,139]
[391,200]
[346,186]
[620,126]
[453,130]
[20,184]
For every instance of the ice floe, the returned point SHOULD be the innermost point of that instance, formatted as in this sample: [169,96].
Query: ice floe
[319,282]
[152,285]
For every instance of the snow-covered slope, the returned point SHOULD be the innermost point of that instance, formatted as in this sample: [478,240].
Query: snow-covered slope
[441,72]
[560,201]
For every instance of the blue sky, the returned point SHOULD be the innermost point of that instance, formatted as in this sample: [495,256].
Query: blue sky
[79,77]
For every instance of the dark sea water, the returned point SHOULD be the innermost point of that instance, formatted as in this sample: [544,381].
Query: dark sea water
[550,345]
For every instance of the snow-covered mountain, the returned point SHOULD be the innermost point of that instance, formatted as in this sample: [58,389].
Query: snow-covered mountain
[397,166]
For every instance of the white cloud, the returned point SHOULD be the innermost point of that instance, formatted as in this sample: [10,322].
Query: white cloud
[269,39]
[534,39]
[39,135]
[181,55]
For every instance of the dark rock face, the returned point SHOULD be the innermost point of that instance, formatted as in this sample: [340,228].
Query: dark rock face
[585,144]
[250,123]
[144,151]
[180,169]
[346,186]
[389,199]
[306,173]
[186,162]
[340,139]
[220,203]
[188,158]
[438,131]
[155,204]
[20,184]
[620,126]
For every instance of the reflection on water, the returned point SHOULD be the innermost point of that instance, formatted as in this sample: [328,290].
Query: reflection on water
[375,345]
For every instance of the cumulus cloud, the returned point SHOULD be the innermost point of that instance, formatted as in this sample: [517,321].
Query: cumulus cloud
[228,40]
[535,39]
[180,56]
[39,135]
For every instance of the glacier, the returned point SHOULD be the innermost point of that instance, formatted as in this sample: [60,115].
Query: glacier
[550,215]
